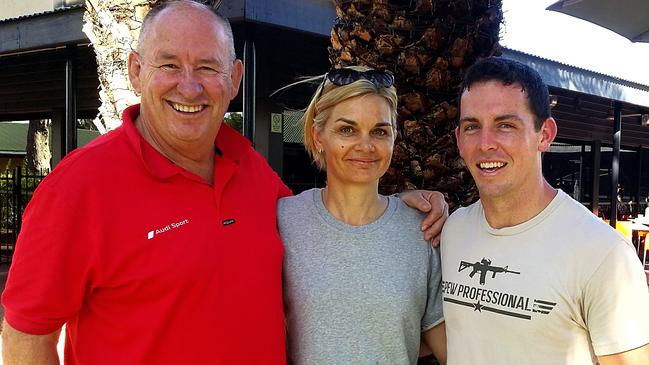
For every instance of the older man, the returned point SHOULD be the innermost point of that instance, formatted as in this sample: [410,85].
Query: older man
[530,275]
[157,243]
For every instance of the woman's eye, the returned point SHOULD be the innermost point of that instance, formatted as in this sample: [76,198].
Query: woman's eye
[380,132]
[346,130]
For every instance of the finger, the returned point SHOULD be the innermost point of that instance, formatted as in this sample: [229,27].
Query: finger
[435,227]
[417,199]
[436,241]
[423,202]
[438,209]
[430,219]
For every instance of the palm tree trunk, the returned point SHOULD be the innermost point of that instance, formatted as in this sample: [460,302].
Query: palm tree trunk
[427,44]
[113,27]
[38,154]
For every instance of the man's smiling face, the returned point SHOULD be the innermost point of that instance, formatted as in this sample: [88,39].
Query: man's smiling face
[185,76]
[498,141]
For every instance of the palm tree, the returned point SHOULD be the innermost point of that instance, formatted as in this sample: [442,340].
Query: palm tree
[113,27]
[427,44]
[38,154]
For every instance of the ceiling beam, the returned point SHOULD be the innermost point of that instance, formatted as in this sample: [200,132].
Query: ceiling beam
[42,31]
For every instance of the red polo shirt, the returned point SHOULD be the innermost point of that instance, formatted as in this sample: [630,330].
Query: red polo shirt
[148,263]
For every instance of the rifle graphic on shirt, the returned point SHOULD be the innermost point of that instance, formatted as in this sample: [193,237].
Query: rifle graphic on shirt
[483,267]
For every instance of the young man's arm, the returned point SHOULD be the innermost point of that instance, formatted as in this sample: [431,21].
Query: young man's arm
[432,202]
[639,356]
[20,348]
[435,340]
[615,303]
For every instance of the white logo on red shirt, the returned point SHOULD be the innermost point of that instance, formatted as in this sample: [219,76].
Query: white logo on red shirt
[166,228]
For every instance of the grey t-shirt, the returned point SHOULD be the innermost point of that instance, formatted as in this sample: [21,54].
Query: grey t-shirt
[356,294]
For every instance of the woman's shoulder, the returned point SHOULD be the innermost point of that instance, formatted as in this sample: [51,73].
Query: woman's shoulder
[406,219]
[297,202]
[403,211]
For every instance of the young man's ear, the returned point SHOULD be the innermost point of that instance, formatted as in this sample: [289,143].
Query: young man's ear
[547,134]
[457,137]
[134,68]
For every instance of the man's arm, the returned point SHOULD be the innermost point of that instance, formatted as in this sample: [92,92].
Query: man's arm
[616,301]
[432,202]
[639,356]
[20,348]
[435,340]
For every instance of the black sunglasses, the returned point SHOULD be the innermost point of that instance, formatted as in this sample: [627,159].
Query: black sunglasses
[346,76]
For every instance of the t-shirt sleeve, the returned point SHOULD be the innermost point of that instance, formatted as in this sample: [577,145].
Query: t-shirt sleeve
[50,268]
[433,314]
[616,301]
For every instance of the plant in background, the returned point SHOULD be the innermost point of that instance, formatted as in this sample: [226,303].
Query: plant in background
[427,45]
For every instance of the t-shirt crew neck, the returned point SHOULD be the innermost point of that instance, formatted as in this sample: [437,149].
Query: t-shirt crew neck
[522,227]
[323,212]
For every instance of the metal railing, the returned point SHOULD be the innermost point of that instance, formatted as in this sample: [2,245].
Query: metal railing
[16,189]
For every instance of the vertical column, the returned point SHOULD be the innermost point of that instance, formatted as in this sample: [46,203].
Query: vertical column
[18,198]
[615,160]
[580,180]
[596,147]
[69,142]
[638,181]
[268,123]
[249,75]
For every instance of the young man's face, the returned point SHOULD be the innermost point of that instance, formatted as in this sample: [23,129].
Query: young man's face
[498,141]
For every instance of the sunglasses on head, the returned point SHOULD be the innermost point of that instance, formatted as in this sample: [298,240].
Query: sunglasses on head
[346,76]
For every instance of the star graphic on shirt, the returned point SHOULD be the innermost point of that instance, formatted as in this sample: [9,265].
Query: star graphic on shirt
[477,307]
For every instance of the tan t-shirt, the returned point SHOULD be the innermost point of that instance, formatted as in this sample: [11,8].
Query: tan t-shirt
[561,288]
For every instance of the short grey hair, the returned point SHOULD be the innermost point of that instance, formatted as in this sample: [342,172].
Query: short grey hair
[161,5]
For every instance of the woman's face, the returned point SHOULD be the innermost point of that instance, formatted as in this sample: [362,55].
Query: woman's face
[357,140]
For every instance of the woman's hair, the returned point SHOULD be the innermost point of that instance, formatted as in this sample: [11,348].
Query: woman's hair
[329,95]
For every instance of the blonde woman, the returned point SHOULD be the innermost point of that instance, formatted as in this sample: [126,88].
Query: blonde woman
[361,284]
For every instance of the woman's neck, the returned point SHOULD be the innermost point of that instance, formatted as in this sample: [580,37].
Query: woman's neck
[355,205]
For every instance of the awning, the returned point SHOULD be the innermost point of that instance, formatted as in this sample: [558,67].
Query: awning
[629,18]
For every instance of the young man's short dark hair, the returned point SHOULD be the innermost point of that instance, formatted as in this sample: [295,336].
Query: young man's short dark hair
[511,72]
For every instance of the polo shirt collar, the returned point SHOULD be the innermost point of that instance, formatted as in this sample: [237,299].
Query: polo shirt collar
[229,144]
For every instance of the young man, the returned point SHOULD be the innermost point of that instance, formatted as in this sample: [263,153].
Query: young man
[530,275]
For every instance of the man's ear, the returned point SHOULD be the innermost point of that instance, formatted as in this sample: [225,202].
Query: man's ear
[134,68]
[457,137]
[547,134]
[236,75]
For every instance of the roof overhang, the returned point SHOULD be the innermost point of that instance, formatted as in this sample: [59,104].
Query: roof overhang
[310,16]
[64,26]
[627,18]
[584,81]
[46,30]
